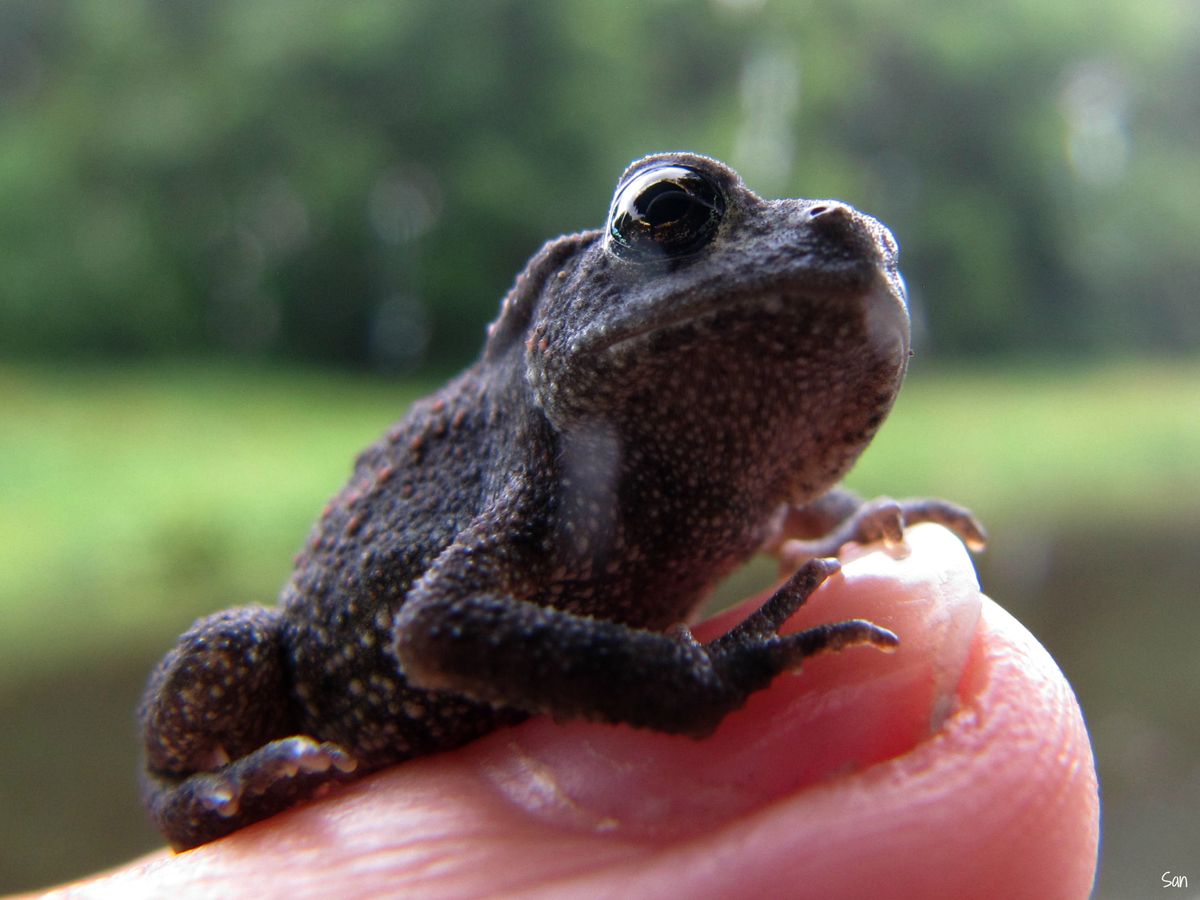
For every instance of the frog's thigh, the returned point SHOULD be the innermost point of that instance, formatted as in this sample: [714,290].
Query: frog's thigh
[220,746]
[218,695]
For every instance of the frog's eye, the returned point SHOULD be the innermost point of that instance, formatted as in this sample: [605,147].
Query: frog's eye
[668,211]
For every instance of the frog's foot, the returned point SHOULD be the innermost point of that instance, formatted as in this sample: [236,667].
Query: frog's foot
[883,520]
[754,652]
[207,805]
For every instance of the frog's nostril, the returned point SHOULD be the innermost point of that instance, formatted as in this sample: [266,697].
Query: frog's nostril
[834,220]
[830,213]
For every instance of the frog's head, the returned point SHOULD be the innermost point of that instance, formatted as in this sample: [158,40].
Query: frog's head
[703,315]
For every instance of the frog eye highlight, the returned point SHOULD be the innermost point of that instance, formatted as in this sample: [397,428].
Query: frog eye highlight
[666,212]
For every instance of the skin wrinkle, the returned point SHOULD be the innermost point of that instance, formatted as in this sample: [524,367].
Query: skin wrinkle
[448,860]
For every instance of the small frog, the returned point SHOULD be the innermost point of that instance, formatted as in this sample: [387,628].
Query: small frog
[656,401]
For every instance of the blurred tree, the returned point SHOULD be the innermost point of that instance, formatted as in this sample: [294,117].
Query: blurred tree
[358,183]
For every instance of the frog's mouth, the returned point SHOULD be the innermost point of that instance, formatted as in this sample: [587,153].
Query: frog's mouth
[883,307]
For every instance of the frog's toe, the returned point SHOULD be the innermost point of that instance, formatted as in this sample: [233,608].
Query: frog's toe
[300,753]
[957,518]
[219,794]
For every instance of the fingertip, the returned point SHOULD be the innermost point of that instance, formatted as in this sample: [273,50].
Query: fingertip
[1001,802]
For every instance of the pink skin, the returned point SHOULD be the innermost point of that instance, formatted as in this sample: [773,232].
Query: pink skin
[957,766]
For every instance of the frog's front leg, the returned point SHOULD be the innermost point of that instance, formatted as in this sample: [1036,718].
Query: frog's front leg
[462,635]
[823,527]
[221,748]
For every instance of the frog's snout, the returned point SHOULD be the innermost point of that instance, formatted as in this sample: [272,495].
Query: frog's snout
[846,233]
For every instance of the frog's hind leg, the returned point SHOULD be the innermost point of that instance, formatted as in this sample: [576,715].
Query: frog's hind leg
[220,740]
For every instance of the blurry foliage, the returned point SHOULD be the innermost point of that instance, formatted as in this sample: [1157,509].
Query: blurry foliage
[358,183]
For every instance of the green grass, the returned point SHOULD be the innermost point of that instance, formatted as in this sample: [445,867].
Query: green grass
[134,499]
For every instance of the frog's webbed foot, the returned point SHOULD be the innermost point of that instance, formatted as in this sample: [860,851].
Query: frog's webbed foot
[221,748]
[507,652]
[883,520]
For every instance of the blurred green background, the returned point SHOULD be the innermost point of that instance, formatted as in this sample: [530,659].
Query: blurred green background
[236,239]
